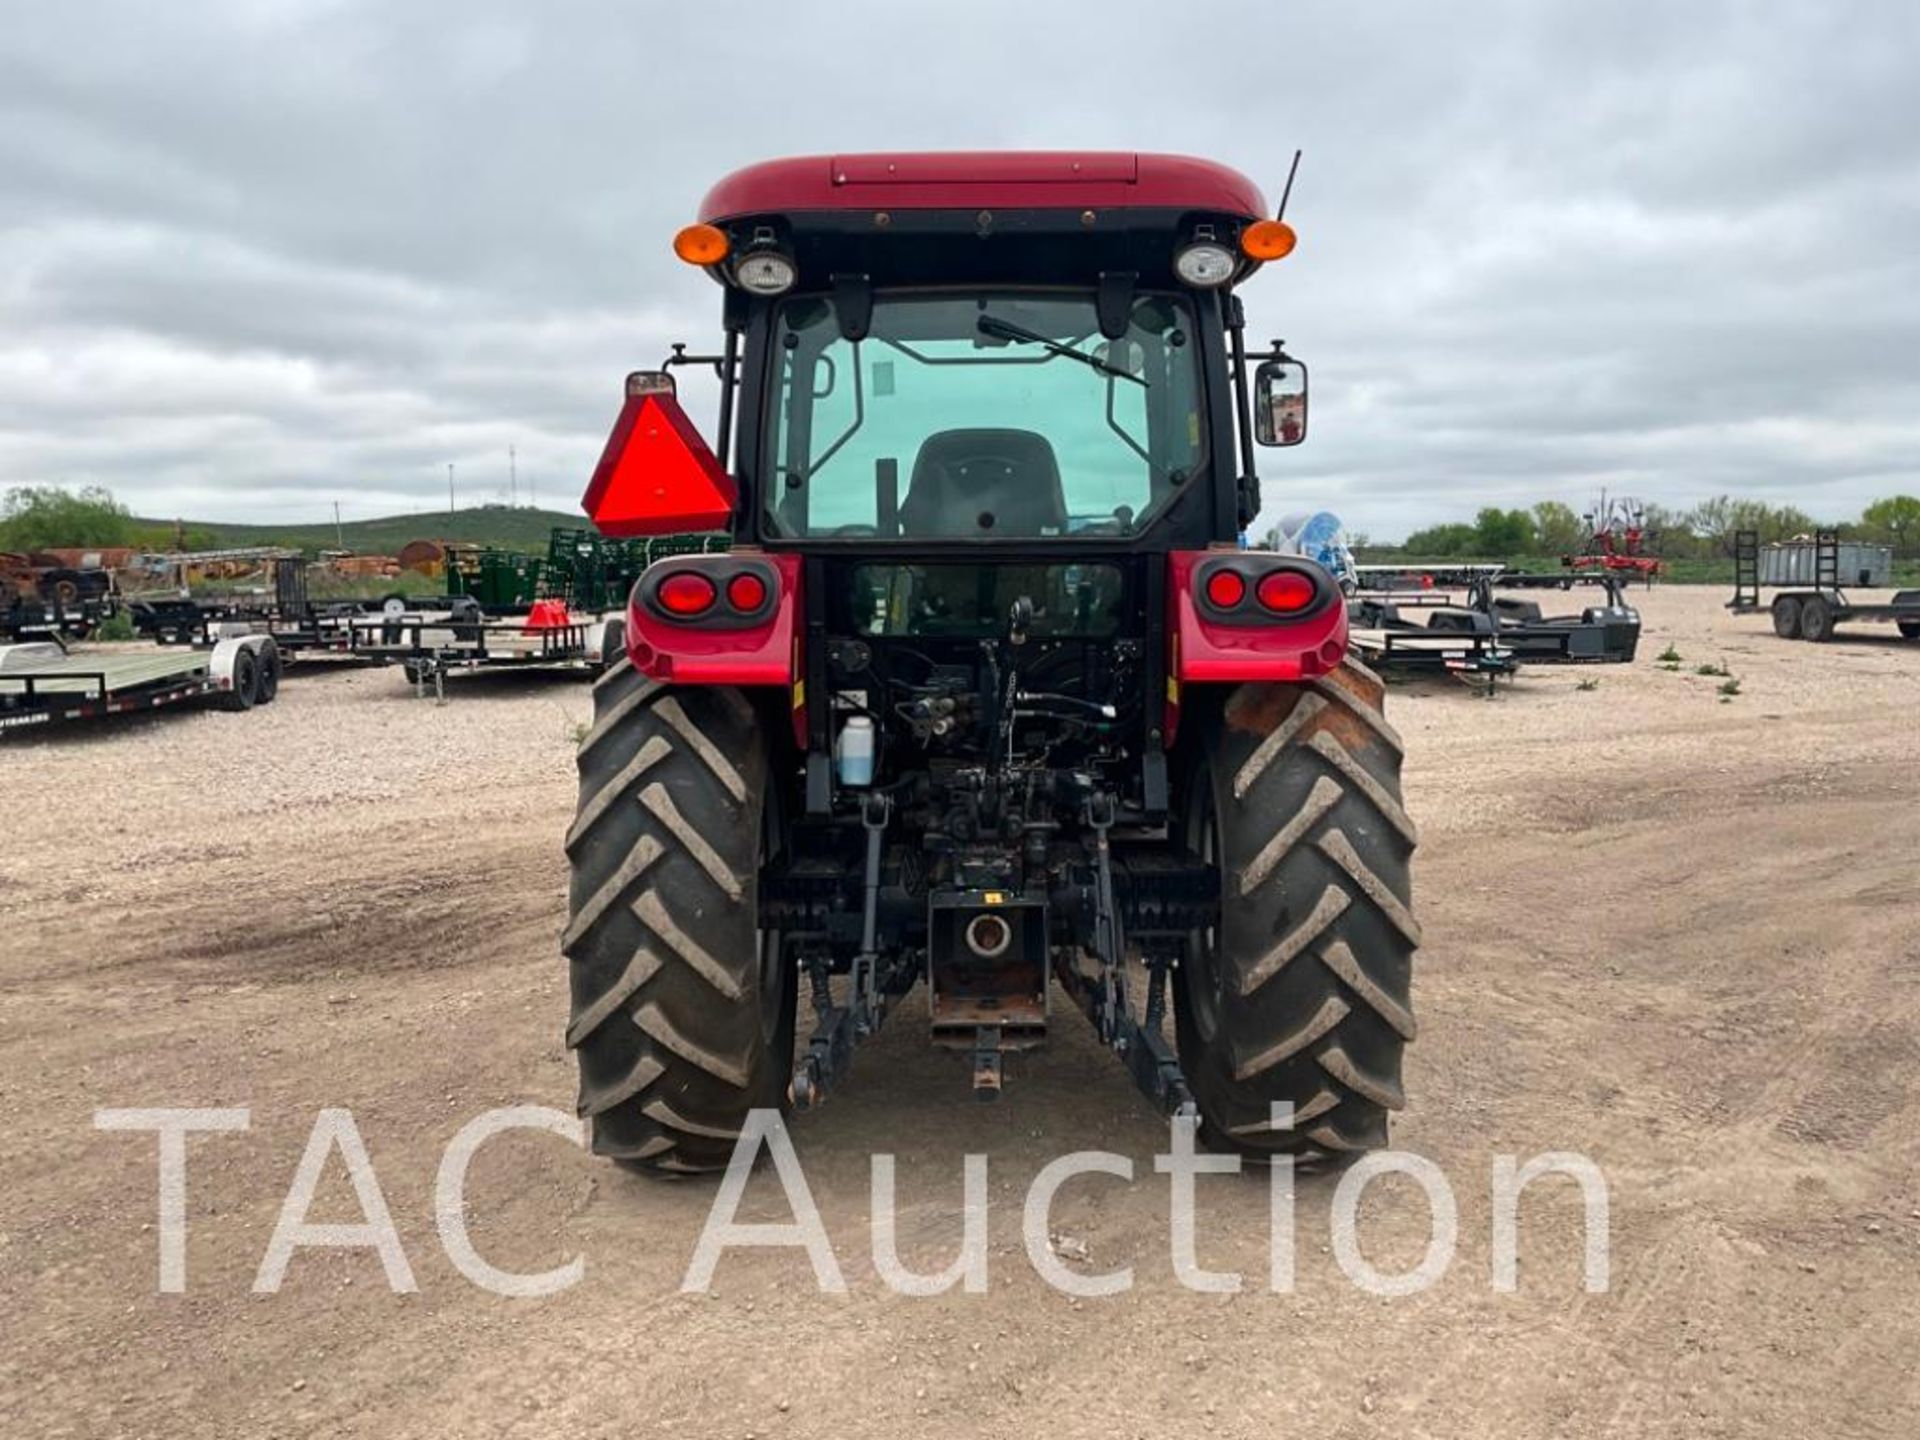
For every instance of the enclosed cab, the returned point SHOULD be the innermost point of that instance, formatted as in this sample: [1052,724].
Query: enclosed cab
[986,692]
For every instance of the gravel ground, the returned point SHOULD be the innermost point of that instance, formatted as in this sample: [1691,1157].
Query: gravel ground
[1671,930]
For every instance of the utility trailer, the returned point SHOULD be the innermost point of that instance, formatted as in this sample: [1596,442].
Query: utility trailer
[42,683]
[429,643]
[1810,580]
[296,622]
[24,618]
[1454,641]
[1469,624]
[1606,633]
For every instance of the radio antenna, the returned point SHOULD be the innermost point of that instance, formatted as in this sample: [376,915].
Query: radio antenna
[1292,170]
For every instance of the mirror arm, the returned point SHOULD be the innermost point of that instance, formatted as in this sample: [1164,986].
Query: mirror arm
[726,367]
[680,357]
[729,358]
[1249,486]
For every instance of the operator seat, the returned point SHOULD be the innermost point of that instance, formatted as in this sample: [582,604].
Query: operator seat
[1008,479]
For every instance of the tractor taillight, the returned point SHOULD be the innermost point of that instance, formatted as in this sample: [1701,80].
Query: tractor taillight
[718,592]
[1225,589]
[746,592]
[725,618]
[1247,615]
[686,594]
[1285,592]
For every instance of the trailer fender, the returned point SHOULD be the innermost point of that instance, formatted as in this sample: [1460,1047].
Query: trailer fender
[606,639]
[226,653]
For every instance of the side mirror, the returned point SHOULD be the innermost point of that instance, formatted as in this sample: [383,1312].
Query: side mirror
[651,382]
[1280,402]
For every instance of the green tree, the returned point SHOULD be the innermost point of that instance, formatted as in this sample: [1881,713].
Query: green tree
[1558,529]
[1441,542]
[1502,534]
[1675,535]
[1770,522]
[44,517]
[1895,519]
[1712,521]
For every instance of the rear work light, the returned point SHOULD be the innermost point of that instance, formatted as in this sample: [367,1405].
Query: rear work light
[765,272]
[1205,264]
[1286,592]
[686,594]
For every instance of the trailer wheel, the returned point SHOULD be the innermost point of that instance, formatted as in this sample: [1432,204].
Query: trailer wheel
[246,683]
[613,646]
[1786,617]
[267,679]
[1301,992]
[683,1008]
[1816,620]
[1909,629]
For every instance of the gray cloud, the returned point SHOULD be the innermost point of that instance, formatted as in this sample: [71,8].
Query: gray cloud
[257,256]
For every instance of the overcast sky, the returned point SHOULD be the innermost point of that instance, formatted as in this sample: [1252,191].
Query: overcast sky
[260,255]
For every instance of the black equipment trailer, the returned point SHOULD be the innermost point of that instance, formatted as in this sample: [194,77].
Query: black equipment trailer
[1813,610]
[296,622]
[1605,634]
[432,640]
[1467,626]
[28,619]
[42,683]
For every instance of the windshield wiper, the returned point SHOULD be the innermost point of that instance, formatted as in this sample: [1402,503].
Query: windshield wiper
[1006,330]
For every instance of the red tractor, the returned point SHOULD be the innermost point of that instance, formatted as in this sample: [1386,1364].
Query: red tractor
[986,692]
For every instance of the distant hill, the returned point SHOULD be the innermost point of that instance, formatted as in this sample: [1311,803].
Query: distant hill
[510,528]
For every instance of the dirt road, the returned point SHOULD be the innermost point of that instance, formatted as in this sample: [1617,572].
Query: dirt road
[1674,931]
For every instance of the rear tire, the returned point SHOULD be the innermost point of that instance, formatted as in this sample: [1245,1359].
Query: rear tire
[1909,629]
[267,682]
[1301,993]
[246,683]
[1816,621]
[683,1010]
[1786,617]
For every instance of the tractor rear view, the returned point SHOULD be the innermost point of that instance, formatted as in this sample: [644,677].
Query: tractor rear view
[985,694]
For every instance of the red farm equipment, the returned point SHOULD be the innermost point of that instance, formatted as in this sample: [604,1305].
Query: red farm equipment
[1617,541]
[986,692]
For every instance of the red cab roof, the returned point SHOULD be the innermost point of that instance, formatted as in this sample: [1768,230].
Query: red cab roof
[965,179]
